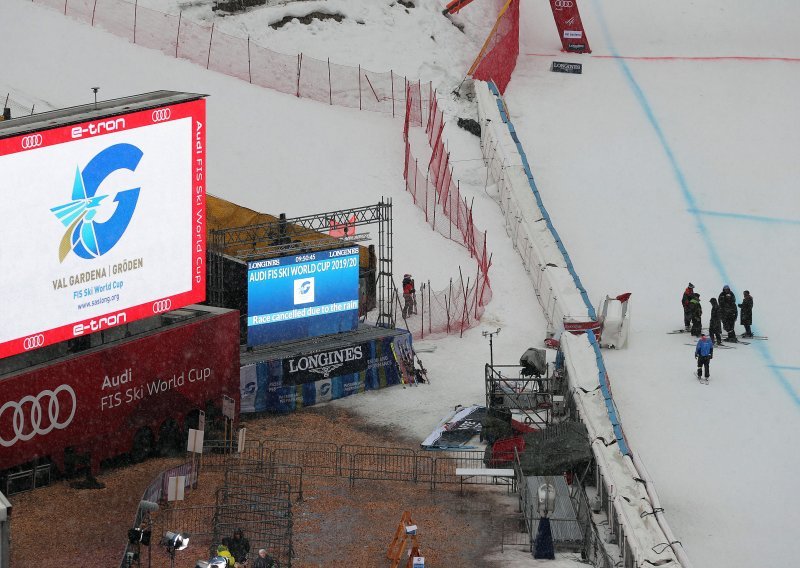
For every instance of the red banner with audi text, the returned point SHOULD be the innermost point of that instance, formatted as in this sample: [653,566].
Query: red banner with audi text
[107,223]
[570,27]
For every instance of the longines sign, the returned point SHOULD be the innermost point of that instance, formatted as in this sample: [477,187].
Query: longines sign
[325,364]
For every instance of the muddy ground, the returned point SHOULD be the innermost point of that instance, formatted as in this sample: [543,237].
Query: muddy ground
[334,525]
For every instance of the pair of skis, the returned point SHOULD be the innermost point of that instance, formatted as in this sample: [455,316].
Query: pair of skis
[405,363]
[701,379]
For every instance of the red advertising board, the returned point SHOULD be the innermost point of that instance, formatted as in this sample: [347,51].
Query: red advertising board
[108,224]
[570,27]
[99,402]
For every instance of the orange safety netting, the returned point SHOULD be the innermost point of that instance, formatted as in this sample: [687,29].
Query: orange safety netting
[434,191]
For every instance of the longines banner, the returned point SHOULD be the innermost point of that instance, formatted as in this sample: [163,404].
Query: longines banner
[326,364]
[284,385]
[104,224]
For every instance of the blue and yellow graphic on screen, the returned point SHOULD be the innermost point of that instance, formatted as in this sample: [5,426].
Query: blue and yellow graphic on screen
[303,295]
[84,236]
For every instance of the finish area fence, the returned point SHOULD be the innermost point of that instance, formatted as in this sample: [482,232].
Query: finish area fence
[293,461]
[299,75]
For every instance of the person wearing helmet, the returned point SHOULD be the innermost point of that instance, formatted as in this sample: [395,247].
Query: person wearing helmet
[728,311]
[747,313]
[408,295]
[687,296]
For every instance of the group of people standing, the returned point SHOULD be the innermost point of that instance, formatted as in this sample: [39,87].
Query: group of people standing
[724,312]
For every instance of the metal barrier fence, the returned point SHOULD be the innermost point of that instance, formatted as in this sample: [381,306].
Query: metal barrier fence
[261,507]
[295,460]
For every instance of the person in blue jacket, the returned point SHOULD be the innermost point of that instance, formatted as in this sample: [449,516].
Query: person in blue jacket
[704,352]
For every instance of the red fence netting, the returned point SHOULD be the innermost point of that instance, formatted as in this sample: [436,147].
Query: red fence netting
[203,44]
[434,191]
[498,57]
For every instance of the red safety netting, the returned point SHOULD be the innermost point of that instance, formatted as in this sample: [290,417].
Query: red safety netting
[498,57]
[299,75]
[437,194]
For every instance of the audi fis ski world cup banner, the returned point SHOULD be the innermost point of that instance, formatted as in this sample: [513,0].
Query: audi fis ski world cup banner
[104,224]
[302,295]
[570,27]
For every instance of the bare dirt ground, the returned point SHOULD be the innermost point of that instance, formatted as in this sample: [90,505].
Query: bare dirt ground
[334,525]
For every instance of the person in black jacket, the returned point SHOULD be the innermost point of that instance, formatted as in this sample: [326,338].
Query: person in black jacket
[728,311]
[239,546]
[715,323]
[747,313]
[687,296]
[695,313]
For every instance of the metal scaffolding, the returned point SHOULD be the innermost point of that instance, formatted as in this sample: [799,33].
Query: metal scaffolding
[298,235]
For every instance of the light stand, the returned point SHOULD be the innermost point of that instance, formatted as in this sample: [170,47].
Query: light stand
[172,542]
[94,90]
[491,335]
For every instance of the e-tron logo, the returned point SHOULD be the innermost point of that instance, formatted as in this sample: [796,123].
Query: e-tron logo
[33,341]
[87,238]
[161,114]
[162,306]
[27,416]
[31,141]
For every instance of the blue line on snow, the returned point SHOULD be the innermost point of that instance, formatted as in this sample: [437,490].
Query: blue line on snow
[763,350]
[744,216]
[787,367]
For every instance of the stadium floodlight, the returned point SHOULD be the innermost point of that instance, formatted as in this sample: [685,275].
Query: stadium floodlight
[215,562]
[175,541]
[172,542]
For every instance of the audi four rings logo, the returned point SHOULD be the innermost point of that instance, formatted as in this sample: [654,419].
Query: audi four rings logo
[161,114]
[32,141]
[564,3]
[28,419]
[162,306]
[33,342]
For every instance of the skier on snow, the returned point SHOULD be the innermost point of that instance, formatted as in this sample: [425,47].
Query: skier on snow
[747,313]
[695,313]
[704,352]
[715,323]
[687,296]
[728,311]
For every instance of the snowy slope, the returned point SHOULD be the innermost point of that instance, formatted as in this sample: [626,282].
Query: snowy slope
[659,172]
[621,155]
[274,153]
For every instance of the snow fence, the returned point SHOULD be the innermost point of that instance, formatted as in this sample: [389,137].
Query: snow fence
[632,504]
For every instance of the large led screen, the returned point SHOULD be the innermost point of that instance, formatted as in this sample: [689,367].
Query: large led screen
[302,295]
[104,224]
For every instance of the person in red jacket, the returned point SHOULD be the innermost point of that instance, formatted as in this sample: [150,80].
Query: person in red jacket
[408,295]
[688,294]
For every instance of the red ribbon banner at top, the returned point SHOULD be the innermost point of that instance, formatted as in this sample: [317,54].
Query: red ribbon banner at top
[570,27]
